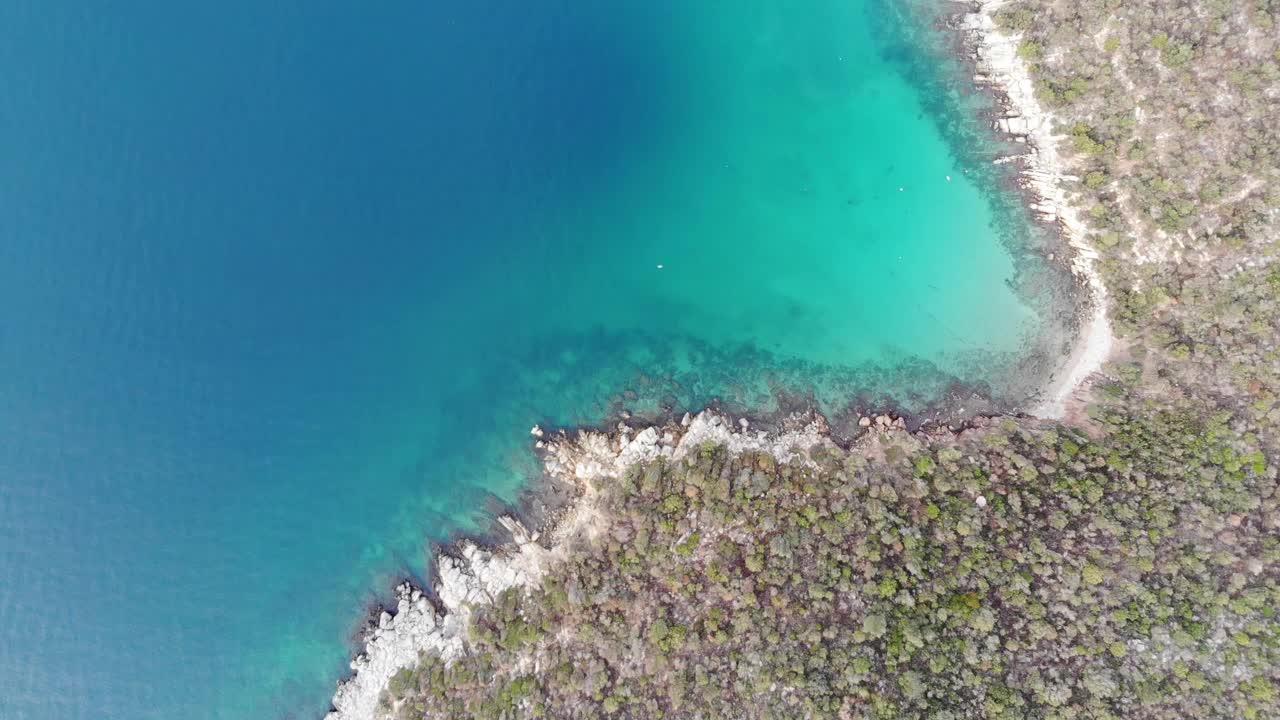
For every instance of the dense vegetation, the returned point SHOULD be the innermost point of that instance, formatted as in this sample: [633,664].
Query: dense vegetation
[1009,573]
[1127,568]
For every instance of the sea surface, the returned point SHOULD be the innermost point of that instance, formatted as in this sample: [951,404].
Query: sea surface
[284,285]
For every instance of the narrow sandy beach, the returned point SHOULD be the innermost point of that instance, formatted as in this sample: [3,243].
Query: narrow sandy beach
[1044,173]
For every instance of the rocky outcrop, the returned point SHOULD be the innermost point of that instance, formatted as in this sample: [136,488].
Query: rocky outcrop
[468,575]
[591,455]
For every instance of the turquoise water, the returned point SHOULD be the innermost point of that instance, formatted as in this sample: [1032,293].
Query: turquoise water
[284,285]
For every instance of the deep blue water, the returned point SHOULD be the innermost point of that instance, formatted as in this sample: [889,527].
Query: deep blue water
[284,284]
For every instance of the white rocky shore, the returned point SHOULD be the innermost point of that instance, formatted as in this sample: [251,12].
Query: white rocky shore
[470,576]
[1044,173]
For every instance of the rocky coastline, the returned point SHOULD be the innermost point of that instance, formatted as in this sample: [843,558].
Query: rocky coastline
[1000,486]
[467,574]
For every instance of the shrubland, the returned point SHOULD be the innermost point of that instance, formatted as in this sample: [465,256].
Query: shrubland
[1008,572]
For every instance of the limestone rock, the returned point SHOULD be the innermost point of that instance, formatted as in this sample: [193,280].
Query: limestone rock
[468,575]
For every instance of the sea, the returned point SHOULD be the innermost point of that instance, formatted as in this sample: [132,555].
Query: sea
[284,285]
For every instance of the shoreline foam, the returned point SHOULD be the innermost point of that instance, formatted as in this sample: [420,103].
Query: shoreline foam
[1042,174]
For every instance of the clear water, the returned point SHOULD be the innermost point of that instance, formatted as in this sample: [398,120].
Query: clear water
[284,285]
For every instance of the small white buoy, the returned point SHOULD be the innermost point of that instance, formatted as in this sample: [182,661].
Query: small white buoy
[899,189]
[659,266]
[948,178]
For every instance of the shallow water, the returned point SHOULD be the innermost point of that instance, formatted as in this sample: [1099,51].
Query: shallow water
[284,285]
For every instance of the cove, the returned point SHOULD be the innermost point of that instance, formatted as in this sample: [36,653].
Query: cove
[283,287]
